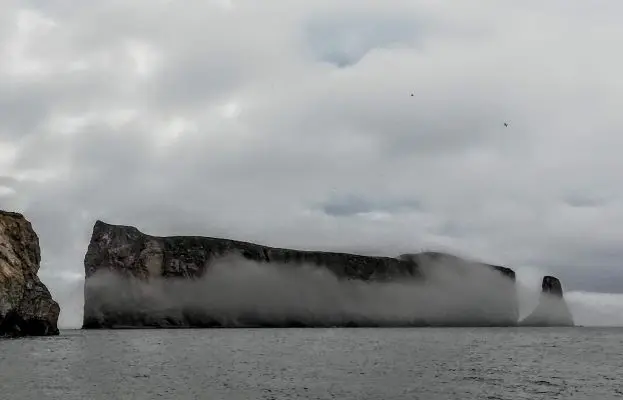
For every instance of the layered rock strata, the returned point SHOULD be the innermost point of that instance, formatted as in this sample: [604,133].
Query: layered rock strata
[26,305]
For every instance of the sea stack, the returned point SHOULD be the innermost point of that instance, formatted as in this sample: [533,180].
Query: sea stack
[552,309]
[135,280]
[26,305]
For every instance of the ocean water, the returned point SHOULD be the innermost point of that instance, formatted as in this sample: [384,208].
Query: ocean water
[379,364]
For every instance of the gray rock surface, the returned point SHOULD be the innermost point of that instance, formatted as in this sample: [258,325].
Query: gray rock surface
[125,270]
[552,309]
[431,258]
[26,305]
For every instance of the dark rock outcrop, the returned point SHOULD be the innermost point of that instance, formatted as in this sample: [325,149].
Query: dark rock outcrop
[552,309]
[138,280]
[126,250]
[433,257]
[26,305]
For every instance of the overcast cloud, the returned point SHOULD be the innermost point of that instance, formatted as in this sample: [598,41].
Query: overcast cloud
[292,123]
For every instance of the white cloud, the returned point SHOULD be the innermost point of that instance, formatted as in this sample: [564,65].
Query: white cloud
[248,120]
[8,153]
[6,191]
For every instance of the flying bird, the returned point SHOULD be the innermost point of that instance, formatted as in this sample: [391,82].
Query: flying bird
[506,124]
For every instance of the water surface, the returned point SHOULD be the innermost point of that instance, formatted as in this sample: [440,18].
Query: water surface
[407,363]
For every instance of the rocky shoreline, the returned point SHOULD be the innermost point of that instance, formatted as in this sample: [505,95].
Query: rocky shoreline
[26,305]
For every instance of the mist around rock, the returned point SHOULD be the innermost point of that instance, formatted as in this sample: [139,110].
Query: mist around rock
[238,292]
[552,309]
[587,308]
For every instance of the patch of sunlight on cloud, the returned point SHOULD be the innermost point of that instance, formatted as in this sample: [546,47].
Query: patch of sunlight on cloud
[225,4]
[145,57]
[118,118]
[230,110]
[78,65]
[174,129]
[69,125]
[16,60]
[8,155]
[6,191]
[73,124]
[40,175]
[30,22]
[375,215]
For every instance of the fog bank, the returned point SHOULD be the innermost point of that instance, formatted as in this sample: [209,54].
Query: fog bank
[235,291]
[596,309]
[281,290]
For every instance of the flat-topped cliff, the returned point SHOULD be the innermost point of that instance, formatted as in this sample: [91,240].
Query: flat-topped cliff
[126,250]
[26,306]
[139,280]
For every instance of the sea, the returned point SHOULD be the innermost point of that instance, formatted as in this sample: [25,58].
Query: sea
[335,363]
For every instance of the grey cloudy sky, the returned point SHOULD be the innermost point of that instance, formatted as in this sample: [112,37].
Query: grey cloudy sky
[291,123]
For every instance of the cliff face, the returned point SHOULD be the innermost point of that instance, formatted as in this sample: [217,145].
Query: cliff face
[26,306]
[552,309]
[136,280]
[430,258]
[126,250]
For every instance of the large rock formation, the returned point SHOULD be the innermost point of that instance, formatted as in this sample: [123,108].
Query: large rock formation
[432,258]
[26,306]
[138,280]
[552,309]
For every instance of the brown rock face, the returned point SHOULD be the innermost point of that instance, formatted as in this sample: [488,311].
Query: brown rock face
[552,309]
[138,280]
[26,306]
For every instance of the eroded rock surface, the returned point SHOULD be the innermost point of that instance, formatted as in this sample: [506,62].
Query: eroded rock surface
[26,305]
[138,280]
[552,309]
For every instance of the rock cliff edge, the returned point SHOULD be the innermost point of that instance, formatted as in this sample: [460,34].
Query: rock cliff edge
[26,305]
[137,280]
